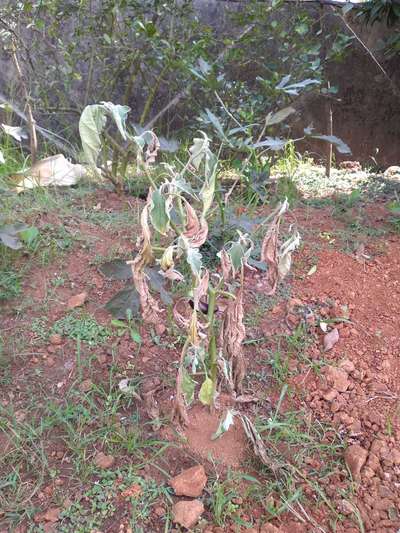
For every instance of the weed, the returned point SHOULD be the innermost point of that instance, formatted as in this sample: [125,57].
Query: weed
[10,284]
[81,327]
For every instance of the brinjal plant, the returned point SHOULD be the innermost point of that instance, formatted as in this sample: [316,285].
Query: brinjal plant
[174,226]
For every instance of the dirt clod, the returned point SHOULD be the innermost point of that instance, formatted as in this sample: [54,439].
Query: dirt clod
[190,482]
[187,513]
[104,461]
[77,300]
[355,457]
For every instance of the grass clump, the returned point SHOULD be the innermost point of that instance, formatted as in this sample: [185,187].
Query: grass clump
[10,284]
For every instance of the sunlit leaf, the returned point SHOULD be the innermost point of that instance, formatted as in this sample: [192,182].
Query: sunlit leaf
[119,114]
[271,143]
[2,160]
[206,392]
[15,131]
[193,257]
[91,125]
[225,423]
[341,146]
[279,116]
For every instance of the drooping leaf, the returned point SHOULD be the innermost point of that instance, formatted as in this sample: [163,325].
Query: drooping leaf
[295,88]
[118,113]
[91,125]
[193,257]
[340,145]
[208,189]
[198,150]
[279,116]
[188,386]
[16,132]
[285,254]
[157,284]
[10,235]
[271,143]
[159,215]
[123,303]
[206,392]
[225,423]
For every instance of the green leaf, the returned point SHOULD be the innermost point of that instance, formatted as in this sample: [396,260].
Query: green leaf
[118,323]
[236,254]
[216,123]
[188,386]
[91,125]
[118,113]
[135,336]
[29,235]
[193,257]
[225,423]
[159,215]
[206,392]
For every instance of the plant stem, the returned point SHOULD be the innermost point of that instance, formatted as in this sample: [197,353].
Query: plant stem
[212,347]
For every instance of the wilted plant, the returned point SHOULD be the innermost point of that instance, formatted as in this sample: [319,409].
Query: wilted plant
[179,217]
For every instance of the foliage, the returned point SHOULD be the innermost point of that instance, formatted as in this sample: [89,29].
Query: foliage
[180,214]
[81,327]
[387,11]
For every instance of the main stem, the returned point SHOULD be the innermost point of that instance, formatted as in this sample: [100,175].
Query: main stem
[212,346]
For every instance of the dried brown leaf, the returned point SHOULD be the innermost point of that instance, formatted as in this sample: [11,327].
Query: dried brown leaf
[201,290]
[232,335]
[226,264]
[258,445]
[196,230]
[269,248]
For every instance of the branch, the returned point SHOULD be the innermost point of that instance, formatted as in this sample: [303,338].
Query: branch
[182,94]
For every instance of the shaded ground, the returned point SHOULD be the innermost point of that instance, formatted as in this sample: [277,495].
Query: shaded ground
[60,404]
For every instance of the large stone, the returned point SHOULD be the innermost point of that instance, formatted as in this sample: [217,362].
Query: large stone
[187,513]
[190,482]
[355,457]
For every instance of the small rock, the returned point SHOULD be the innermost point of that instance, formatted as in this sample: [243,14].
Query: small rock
[330,339]
[159,511]
[347,366]
[269,528]
[134,491]
[187,513]
[160,329]
[55,339]
[338,378]
[102,358]
[86,385]
[104,461]
[330,395]
[345,507]
[77,300]
[355,457]
[50,361]
[190,482]
[51,515]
